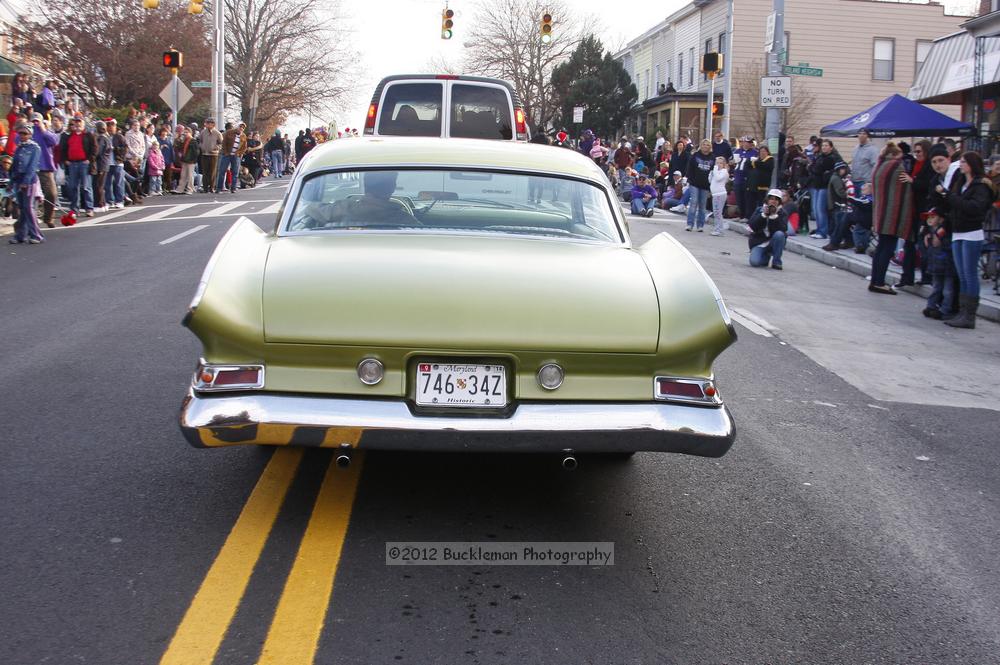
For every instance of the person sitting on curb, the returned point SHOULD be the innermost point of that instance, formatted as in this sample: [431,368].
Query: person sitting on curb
[768,228]
[673,193]
[643,197]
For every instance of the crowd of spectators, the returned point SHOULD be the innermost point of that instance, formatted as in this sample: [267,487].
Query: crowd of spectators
[57,157]
[929,206]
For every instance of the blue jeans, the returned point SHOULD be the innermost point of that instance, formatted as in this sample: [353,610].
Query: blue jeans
[696,208]
[840,227]
[966,254]
[228,163]
[817,204]
[862,236]
[277,163]
[942,298]
[114,184]
[639,207]
[772,251]
[77,176]
[27,223]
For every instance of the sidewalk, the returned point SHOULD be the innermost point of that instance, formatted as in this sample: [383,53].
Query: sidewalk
[861,264]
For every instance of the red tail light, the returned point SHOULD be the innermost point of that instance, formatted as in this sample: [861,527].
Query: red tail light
[447,77]
[370,120]
[232,377]
[686,390]
[210,378]
[520,125]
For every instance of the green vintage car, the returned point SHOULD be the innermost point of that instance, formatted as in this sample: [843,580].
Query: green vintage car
[455,294]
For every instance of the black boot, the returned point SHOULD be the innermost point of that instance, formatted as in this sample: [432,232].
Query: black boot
[967,315]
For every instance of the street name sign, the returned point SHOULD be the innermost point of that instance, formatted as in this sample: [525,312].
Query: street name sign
[802,71]
[201,84]
[776,91]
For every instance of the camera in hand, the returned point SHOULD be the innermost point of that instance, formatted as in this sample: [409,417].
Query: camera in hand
[770,210]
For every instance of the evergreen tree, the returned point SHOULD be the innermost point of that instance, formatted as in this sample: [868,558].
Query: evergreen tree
[593,79]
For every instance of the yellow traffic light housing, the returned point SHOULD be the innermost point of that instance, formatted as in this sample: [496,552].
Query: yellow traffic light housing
[545,28]
[150,4]
[196,7]
[447,22]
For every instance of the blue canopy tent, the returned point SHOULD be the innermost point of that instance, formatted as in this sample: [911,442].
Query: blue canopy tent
[899,116]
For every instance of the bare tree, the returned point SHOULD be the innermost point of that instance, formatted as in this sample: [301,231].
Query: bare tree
[508,46]
[747,115]
[109,52]
[285,54]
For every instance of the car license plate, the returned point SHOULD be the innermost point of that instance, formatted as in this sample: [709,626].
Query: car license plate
[461,385]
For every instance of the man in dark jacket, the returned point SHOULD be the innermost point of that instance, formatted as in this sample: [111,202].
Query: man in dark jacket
[768,227]
[114,185]
[79,150]
[721,147]
[274,152]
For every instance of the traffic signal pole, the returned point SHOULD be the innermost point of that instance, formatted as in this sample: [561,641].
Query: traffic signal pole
[174,96]
[219,63]
[709,124]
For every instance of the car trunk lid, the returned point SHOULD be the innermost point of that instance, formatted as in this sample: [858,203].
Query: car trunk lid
[440,291]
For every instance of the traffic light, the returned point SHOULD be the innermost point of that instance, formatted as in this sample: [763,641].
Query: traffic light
[545,28]
[173,59]
[196,6]
[718,108]
[150,4]
[446,22]
[711,63]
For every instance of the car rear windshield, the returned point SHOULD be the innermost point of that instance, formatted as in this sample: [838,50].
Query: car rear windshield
[480,112]
[459,201]
[411,109]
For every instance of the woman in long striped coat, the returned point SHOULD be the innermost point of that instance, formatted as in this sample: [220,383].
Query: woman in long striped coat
[892,212]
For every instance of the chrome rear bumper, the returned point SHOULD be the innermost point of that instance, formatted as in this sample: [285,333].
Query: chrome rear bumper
[281,419]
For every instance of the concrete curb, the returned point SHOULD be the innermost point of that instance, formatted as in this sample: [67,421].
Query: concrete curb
[989,305]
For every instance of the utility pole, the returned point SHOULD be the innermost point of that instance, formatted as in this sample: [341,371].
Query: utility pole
[219,63]
[772,126]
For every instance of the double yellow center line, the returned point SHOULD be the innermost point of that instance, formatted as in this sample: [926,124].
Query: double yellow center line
[295,630]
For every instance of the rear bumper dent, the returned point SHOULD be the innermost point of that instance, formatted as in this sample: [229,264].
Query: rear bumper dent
[281,419]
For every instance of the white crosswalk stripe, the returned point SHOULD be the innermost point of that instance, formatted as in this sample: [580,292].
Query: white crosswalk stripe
[183,234]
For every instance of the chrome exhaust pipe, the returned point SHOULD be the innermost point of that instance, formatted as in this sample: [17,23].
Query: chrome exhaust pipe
[569,463]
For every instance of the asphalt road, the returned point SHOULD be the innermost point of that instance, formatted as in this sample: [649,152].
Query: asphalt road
[856,519]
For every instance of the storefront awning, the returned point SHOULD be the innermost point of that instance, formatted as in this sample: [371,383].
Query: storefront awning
[950,68]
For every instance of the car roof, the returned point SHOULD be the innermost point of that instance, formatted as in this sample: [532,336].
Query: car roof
[445,77]
[392,151]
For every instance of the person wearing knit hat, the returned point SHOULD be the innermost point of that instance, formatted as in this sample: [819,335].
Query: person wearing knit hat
[838,191]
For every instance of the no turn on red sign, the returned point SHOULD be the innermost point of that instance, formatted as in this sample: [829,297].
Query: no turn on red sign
[776,91]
